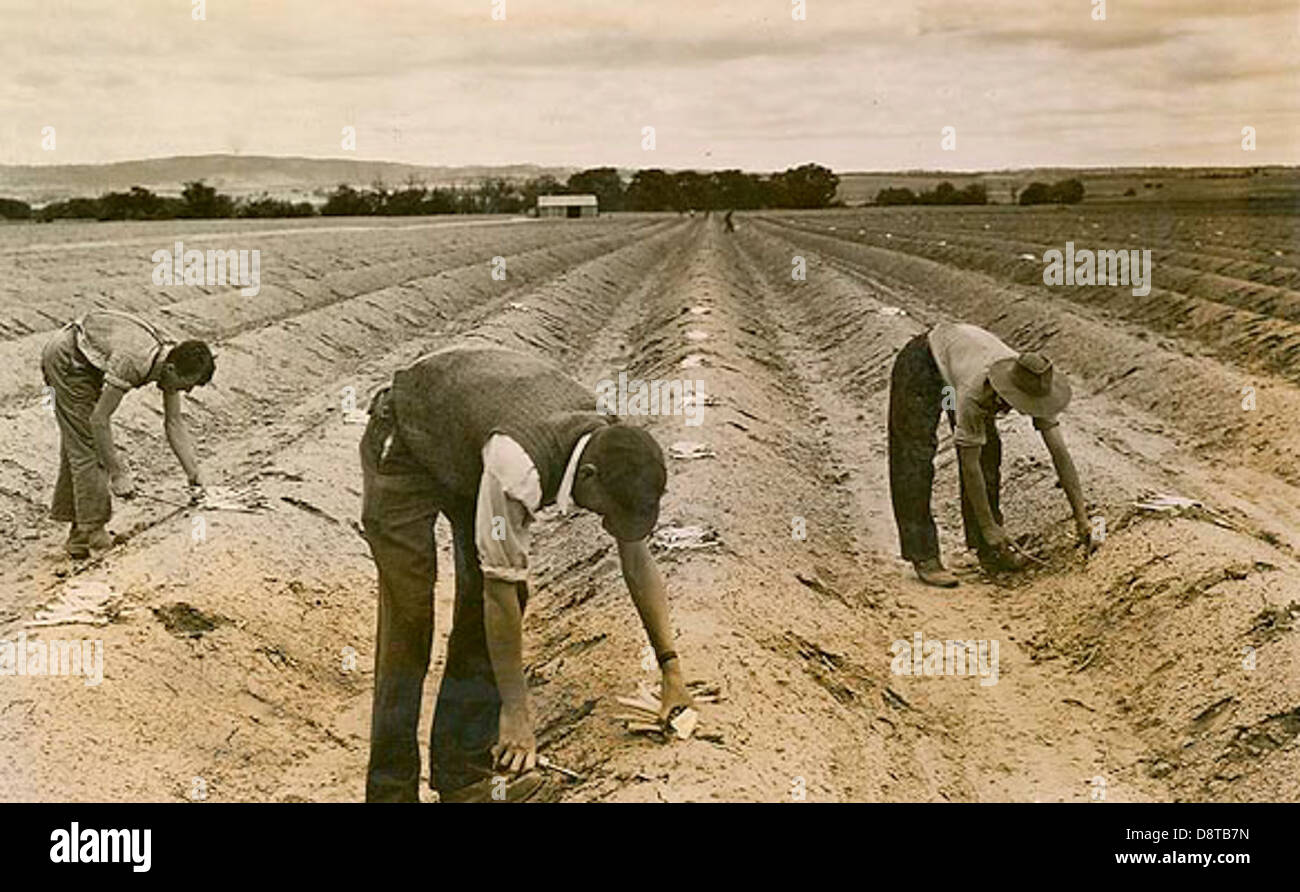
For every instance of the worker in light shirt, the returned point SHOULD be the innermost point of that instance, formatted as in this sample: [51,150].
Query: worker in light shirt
[486,437]
[89,366]
[974,377]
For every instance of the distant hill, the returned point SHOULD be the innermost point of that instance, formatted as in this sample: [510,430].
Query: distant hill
[1101,183]
[237,175]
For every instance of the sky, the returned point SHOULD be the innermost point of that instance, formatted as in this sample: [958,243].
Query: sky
[855,85]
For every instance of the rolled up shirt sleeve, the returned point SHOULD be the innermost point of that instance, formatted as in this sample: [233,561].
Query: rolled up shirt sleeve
[127,371]
[508,495]
[971,415]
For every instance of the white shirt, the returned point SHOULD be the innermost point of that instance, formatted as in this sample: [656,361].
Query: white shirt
[509,495]
[963,354]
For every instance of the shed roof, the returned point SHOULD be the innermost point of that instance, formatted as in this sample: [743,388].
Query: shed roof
[560,201]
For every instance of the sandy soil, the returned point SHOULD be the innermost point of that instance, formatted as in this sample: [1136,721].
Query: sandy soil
[228,659]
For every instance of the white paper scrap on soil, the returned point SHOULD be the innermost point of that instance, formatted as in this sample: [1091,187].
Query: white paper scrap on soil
[232,498]
[688,449]
[1168,503]
[81,602]
[688,538]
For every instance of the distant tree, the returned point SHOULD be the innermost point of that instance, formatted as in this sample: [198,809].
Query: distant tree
[440,201]
[11,209]
[543,185]
[737,190]
[1130,192]
[889,197]
[1063,192]
[807,186]
[71,209]
[267,207]
[944,193]
[1036,193]
[405,202]
[603,182]
[139,204]
[348,202]
[694,191]
[1069,191]
[499,196]
[652,190]
[204,202]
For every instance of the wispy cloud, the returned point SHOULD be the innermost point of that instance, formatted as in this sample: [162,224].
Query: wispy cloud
[725,82]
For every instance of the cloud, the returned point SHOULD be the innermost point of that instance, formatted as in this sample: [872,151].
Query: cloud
[736,82]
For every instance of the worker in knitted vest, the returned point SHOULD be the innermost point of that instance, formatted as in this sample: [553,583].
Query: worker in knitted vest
[486,437]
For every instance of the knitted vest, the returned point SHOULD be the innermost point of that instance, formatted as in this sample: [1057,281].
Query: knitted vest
[450,402]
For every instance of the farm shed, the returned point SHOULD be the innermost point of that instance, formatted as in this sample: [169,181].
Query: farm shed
[566,206]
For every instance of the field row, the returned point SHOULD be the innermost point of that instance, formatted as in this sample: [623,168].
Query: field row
[302,274]
[270,385]
[1269,235]
[1254,324]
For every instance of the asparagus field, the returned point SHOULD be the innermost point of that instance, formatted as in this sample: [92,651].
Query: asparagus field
[238,646]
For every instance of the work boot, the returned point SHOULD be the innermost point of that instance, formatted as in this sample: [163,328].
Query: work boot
[931,572]
[999,560]
[517,788]
[78,544]
[82,540]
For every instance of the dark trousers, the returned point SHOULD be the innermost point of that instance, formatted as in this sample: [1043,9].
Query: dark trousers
[915,401]
[81,492]
[401,502]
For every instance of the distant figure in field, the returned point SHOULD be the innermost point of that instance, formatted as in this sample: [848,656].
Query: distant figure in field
[90,365]
[727,224]
[975,377]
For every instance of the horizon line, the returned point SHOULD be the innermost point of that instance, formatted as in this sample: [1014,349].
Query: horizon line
[860,172]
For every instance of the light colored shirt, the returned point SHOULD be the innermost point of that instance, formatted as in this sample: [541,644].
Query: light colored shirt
[121,346]
[509,495]
[964,354]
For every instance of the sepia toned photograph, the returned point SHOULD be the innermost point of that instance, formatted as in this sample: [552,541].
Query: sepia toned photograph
[737,401]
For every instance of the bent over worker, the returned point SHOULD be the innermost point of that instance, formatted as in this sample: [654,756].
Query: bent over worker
[90,365]
[486,437]
[976,377]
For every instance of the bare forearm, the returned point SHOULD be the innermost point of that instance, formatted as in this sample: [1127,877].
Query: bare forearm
[102,430]
[972,476]
[503,623]
[646,584]
[179,438]
[1069,477]
[652,606]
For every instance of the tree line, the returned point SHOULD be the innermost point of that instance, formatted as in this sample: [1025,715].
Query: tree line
[944,193]
[807,186]
[1062,192]
[198,201]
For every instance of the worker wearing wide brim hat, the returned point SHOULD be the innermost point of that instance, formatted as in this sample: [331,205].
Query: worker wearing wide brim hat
[973,376]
